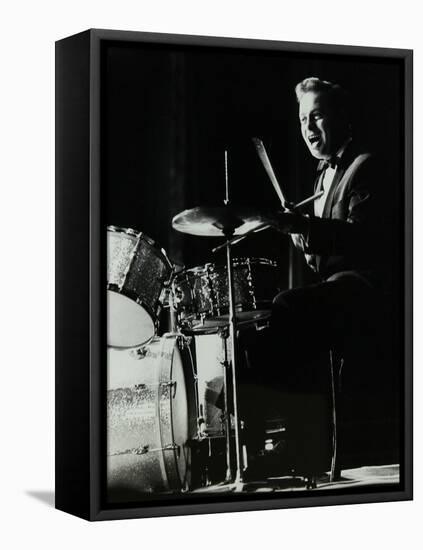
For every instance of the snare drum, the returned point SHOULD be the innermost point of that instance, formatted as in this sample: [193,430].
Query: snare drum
[201,294]
[137,272]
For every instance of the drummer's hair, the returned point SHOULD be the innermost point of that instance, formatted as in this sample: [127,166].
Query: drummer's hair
[338,97]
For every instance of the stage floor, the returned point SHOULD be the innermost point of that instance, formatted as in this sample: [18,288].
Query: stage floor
[356,477]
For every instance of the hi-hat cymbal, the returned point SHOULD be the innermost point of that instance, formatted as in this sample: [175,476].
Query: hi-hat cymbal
[217,221]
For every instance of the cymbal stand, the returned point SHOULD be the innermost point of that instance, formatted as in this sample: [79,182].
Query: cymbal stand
[238,481]
[172,312]
[229,233]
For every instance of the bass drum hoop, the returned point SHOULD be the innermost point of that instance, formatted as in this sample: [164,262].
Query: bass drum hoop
[176,482]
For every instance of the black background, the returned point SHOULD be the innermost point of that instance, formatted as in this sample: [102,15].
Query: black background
[170,112]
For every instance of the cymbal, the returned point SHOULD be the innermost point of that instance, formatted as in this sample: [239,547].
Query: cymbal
[217,221]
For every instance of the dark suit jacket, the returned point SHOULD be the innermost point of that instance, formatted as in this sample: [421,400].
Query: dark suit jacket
[357,231]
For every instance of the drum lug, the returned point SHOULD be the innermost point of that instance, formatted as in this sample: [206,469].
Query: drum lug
[173,447]
[144,449]
[184,342]
[251,284]
[139,353]
[223,332]
[114,287]
[178,294]
[164,296]
[171,384]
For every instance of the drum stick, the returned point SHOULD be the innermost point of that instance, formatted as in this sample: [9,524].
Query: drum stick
[261,151]
[309,199]
[265,225]
[268,167]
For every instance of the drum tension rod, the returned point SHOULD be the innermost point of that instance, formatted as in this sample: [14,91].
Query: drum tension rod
[172,385]
[146,449]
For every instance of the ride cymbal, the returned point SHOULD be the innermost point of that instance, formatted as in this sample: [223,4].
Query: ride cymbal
[218,221]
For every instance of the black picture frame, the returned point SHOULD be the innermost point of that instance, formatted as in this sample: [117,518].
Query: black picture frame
[80,269]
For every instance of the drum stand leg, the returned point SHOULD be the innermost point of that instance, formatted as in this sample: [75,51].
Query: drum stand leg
[227,414]
[237,484]
[335,471]
[238,481]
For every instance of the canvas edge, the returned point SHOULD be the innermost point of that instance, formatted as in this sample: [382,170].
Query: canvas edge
[96,512]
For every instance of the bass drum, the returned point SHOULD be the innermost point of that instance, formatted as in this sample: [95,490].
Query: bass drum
[151,419]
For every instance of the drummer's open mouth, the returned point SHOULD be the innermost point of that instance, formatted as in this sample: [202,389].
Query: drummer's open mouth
[314,139]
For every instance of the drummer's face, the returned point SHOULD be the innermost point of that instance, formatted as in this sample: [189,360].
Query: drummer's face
[317,124]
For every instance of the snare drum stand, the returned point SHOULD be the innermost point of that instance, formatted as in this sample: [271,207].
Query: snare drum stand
[238,481]
[224,334]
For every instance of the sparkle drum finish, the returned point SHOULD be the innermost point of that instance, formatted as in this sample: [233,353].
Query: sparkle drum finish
[201,294]
[137,272]
[151,417]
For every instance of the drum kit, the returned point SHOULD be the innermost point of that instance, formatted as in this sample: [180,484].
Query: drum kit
[173,404]
[169,396]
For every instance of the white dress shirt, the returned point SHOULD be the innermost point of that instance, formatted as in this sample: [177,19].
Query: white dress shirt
[325,184]
[326,181]
[328,175]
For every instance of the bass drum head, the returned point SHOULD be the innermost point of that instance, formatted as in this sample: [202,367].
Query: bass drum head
[128,324]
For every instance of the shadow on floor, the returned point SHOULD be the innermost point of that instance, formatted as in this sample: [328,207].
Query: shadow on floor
[46,497]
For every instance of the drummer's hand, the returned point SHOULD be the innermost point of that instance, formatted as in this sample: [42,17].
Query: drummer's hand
[289,222]
[289,206]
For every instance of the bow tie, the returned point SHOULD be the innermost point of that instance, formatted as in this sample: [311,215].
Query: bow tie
[332,162]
